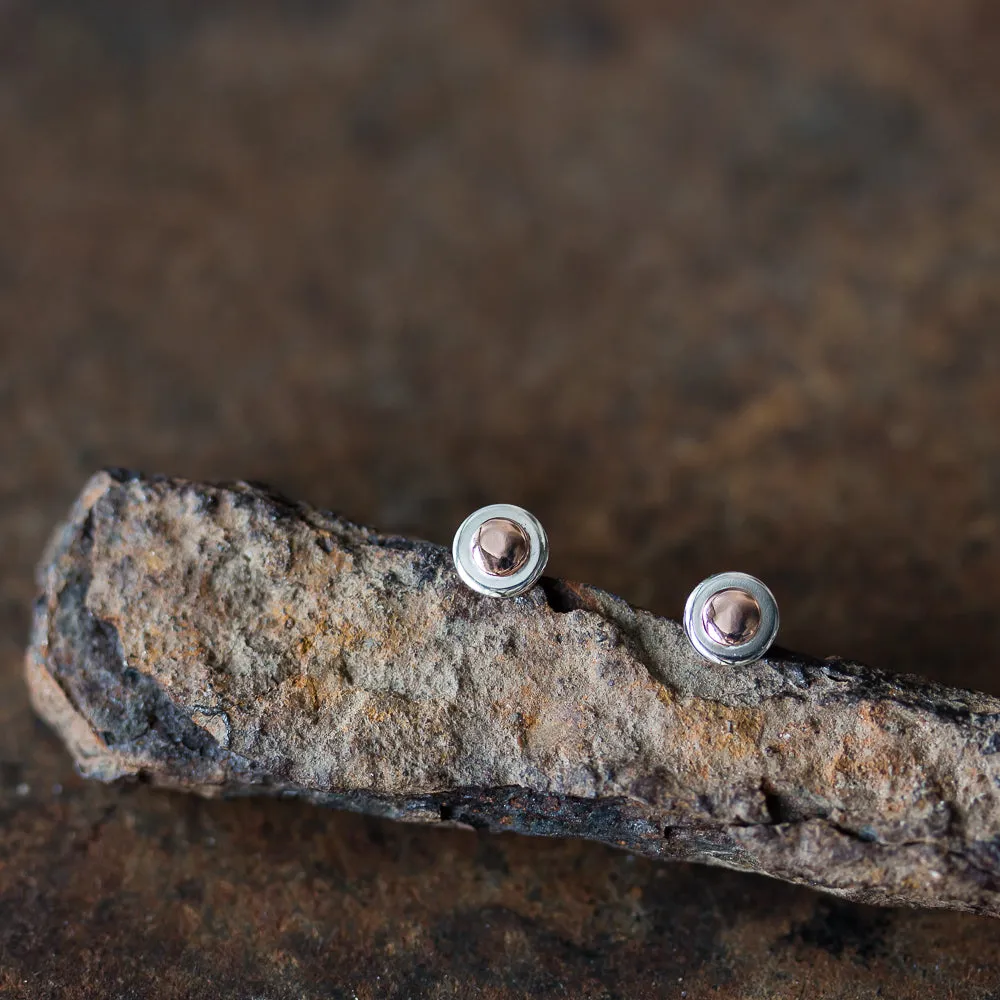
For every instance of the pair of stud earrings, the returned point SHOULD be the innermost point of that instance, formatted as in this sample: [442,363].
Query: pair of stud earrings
[501,551]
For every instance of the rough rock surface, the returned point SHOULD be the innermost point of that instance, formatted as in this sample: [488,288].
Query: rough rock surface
[225,640]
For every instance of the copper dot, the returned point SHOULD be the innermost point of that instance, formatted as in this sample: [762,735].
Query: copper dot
[731,617]
[500,546]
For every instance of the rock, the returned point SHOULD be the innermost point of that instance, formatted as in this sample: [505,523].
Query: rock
[224,640]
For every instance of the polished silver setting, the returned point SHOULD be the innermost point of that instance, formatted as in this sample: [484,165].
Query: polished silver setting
[474,576]
[731,654]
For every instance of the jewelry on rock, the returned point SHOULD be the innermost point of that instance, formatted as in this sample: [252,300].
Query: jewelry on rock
[500,550]
[731,618]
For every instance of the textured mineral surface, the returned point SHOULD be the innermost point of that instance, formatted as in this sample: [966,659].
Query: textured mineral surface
[222,639]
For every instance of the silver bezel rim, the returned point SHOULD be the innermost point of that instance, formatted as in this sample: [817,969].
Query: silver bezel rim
[506,586]
[717,652]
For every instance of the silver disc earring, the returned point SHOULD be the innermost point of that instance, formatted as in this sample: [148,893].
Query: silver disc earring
[500,550]
[731,618]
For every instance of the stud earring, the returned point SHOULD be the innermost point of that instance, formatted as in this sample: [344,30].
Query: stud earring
[500,550]
[731,618]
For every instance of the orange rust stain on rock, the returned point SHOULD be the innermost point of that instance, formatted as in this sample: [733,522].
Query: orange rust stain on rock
[306,687]
[665,696]
[869,754]
[527,723]
[152,643]
[374,715]
[349,636]
[153,562]
[864,759]
[188,644]
[735,732]
[395,638]
[334,559]
[306,641]
[391,635]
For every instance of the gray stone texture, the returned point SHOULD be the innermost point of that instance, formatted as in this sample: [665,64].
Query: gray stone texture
[224,640]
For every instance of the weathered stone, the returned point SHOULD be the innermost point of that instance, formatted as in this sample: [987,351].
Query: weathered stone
[223,640]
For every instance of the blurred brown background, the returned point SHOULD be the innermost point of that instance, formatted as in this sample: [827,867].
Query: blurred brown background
[704,285]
